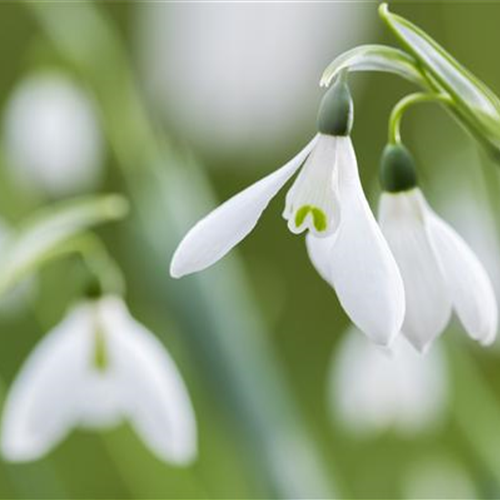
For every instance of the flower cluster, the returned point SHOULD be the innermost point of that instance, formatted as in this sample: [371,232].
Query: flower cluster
[404,275]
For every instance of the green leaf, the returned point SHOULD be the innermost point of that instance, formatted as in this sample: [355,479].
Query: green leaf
[47,234]
[375,58]
[476,105]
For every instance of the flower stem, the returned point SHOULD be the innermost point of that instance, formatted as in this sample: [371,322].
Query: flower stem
[407,102]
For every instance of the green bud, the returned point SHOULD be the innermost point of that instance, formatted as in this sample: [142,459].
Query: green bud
[336,111]
[397,169]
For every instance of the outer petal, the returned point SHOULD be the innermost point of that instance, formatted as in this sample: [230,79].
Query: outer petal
[40,405]
[212,237]
[469,285]
[154,396]
[357,260]
[402,218]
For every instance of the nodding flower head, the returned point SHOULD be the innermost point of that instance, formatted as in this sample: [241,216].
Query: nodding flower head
[95,369]
[440,272]
[326,199]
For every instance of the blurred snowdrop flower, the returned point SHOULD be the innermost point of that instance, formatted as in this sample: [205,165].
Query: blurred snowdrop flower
[372,390]
[440,272]
[97,367]
[235,76]
[51,136]
[327,199]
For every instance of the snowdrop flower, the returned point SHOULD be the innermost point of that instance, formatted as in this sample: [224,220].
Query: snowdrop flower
[371,389]
[327,199]
[440,272]
[52,137]
[97,367]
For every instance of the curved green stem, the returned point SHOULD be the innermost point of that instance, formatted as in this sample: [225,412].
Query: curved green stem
[407,102]
[98,262]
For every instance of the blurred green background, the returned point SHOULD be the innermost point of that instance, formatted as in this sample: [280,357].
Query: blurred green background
[194,102]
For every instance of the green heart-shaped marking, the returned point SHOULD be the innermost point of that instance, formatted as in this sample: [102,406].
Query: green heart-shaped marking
[319,217]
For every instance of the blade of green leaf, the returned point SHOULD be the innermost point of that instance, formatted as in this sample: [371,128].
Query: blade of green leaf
[477,105]
[375,58]
[41,238]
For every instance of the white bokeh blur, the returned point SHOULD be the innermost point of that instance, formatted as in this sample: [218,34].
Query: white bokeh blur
[52,137]
[371,390]
[235,77]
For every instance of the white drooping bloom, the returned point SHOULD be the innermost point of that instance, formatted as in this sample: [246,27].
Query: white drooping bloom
[52,136]
[371,390]
[344,241]
[440,272]
[95,369]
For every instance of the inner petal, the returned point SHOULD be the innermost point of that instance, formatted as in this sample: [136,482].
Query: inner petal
[311,202]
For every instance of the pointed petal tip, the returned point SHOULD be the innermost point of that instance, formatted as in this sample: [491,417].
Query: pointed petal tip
[174,271]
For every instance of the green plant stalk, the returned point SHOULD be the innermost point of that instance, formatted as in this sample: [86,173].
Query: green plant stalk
[226,334]
[485,128]
[407,102]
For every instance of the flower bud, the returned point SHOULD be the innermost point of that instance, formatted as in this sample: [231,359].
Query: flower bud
[397,169]
[336,111]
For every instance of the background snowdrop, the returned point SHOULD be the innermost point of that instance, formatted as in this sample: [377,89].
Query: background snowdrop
[95,369]
[52,136]
[372,390]
[230,98]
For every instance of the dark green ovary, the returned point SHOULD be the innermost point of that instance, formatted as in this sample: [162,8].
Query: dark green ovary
[319,217]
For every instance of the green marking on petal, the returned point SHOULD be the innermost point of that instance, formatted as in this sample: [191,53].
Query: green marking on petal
[100,361]
[319,217]
[301,215]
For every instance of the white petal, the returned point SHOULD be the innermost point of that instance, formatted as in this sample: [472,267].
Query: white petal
[99,401]
[215,235]
[154,395]
[402,217]
[357,260]
[469,285]
[312,202]
[40,406]
[320,253]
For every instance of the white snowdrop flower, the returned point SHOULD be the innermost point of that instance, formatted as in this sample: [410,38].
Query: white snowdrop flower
[51,136]
[440,272]
[96,368]
[344,241]
[371,390]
